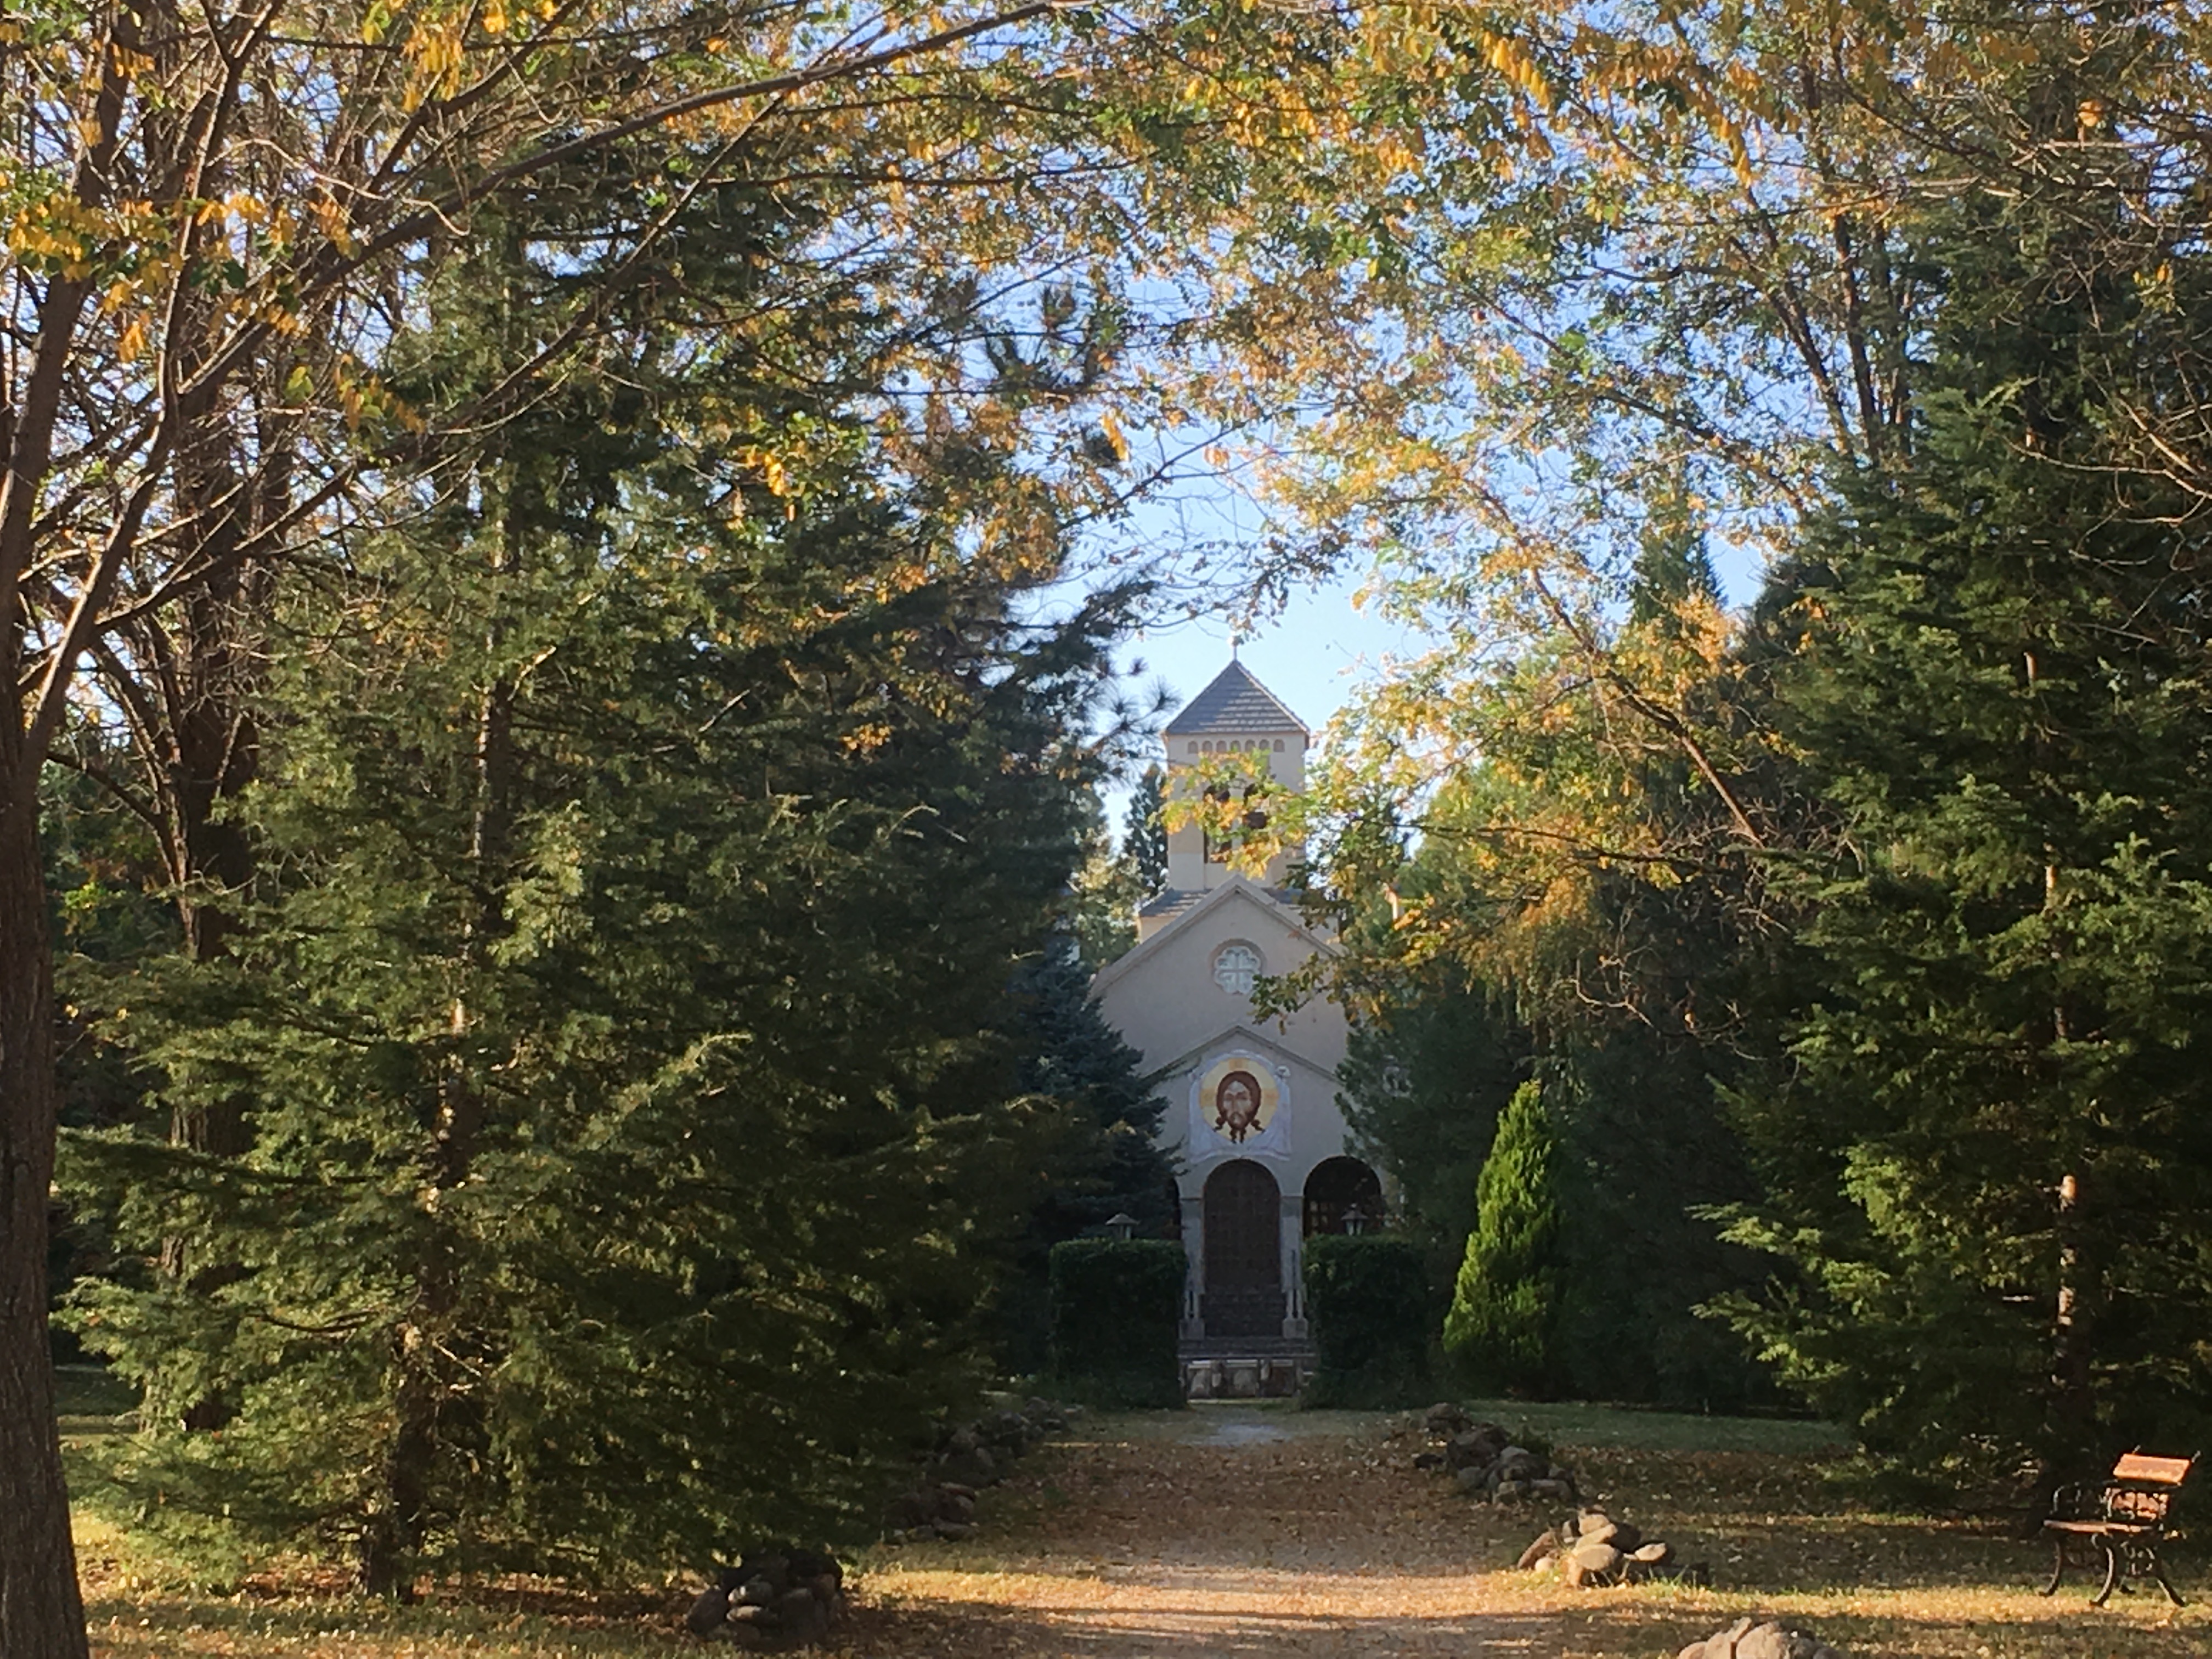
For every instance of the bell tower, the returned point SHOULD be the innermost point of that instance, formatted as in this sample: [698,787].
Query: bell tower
[1234,716]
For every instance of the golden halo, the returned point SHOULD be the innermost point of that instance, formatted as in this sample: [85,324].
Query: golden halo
[1238,1097]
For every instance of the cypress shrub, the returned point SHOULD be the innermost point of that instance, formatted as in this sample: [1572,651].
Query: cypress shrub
[1368,1298]
[1504,1317]
[1116,1315]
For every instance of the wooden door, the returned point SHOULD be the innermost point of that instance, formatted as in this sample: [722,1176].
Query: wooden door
[1243,1252]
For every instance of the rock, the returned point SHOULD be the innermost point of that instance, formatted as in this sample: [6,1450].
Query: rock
[1772,1639]
[773,1566]
[759,1591]
[1481,1445]
[908,1510]
[1472,1481]
[1592,1564]
[1544,1546]
[1755,1638]
[969,1468]
[951,1506]
[952,1531]
[1444,1419]
[956,1489]
[709,1612]
[1652,1555]
[1599,1531]
[803,1617]
[1551,1491]
[1590,1518]
[1517,1463]
[1509,1491]
[963,1440]
[1428,1460]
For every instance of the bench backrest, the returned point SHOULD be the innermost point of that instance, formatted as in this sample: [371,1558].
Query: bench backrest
[2143,1487]
[2137,1469]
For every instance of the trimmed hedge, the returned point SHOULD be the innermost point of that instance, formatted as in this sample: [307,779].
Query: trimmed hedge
[1368,1299]
[1116,1315]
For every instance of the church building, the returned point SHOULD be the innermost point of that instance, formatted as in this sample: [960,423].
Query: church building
[1253,1124]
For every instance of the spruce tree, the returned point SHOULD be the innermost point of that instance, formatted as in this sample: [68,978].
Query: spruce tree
[1144,832]
[1505,1306]
[1102,1153]
[1989,1150]
[650,836]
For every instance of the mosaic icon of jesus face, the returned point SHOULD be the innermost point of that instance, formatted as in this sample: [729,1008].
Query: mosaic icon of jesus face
[1236,1105]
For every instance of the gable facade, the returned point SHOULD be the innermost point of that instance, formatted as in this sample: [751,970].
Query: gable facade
[1259,1142]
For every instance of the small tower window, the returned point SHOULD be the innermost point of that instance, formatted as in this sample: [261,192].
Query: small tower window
[1193,750]
[1279,746]
[1235,969]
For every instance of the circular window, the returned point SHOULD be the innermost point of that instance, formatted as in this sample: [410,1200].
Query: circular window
[1235,967]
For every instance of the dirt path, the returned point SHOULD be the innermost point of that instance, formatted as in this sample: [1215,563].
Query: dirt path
[1232,1530]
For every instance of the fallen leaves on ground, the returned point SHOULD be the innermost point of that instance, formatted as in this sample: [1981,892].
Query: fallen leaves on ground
[1257,1532]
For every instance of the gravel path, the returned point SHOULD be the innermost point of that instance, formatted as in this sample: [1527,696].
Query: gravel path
[1234,1530]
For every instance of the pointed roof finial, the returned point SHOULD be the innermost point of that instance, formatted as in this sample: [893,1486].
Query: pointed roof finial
[1235,639]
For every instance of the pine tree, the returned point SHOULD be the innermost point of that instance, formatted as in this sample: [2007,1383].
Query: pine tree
[1505,1307]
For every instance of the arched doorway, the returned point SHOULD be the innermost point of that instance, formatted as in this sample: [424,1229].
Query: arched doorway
[1243,1252]
[1336,1185]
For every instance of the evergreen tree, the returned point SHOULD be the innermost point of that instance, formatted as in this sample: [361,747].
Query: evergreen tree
[1505,1307]
[638,1207]
[1144,832]
[1990,1151]
[1102,895]
[651,833]
[1104,1157]
[1423,1083]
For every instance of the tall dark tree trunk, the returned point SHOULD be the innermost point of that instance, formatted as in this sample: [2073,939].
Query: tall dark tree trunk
[41,1611]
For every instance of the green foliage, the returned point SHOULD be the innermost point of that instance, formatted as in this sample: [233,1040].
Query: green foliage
[1104,1160]
[651,838]
[1996,679]
[1423,1084]
[1116,1316]
[1144,832]
[1505,1305]
[1368,1299]
[1646,1153]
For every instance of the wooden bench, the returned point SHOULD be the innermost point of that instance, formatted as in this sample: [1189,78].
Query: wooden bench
[2125,1518]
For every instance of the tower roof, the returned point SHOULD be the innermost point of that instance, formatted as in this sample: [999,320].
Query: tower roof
[1234,701]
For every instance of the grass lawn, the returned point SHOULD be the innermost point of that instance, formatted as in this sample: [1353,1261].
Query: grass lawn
[1259,1532]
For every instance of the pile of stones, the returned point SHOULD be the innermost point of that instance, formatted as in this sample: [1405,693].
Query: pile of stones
[968,1456]
[1593,1550]
[1483,1459]
[1761,1638]
[777,1598]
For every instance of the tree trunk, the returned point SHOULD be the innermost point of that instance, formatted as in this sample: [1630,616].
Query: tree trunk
[41,1613]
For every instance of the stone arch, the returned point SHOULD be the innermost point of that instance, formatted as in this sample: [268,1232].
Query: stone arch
[1334,1186]
[1243,1252]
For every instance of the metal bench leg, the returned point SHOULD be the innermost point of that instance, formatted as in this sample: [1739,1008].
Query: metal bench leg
[2158,1571]
[2057,1567]
[2112,1574]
